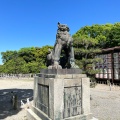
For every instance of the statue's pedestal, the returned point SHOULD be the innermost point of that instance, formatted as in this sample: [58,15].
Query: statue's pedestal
[62,94]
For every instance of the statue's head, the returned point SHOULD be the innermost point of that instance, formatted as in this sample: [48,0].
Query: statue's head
[63,27]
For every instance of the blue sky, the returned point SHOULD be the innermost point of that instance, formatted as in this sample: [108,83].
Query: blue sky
[27,23]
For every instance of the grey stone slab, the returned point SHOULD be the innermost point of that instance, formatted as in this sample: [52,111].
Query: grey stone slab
[61,71]
[39,113]
[58,98]
[65,76]
[86,95]
[71,82]
[43,98]
[80,117]
[72,101]
[35,90]
[75,76]
[51,98]
[67,96]
[32,116]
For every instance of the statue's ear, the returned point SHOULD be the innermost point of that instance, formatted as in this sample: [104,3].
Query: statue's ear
[68,29]
[58,24]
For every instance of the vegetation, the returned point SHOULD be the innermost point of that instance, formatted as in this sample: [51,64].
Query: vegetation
[85,50]
[26,60]
[113,38]
[108,35]
[88,41]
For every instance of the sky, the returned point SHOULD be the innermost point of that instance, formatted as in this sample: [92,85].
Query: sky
[33,23]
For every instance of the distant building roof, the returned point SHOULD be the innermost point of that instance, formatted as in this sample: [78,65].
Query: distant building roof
[111,49]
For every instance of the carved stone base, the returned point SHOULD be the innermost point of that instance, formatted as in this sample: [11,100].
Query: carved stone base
[62,94]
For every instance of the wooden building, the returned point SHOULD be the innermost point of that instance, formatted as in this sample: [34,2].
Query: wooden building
[110,66]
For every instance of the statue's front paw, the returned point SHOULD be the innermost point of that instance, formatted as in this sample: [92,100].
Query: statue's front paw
[73,65]
[55,67]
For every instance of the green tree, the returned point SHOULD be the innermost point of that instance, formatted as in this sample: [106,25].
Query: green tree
[41,54]
[85,52]
[113,38]
[25,60]
[99,32]
[1,69]
[14,66]
[32,67]
[8,55]
[27,54]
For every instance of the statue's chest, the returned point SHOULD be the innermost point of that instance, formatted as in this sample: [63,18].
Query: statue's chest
[64,37]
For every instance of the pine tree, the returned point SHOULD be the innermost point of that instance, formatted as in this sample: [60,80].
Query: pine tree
[86,49]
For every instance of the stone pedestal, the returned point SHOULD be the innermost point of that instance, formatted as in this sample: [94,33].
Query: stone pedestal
[62,94]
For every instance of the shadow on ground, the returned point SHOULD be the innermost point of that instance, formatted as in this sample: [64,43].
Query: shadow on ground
[6,106]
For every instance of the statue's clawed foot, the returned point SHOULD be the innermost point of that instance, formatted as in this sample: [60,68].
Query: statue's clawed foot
[54,67]
[73,65]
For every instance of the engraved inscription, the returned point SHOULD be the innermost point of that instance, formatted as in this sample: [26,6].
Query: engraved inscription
[72,101]
[43,98]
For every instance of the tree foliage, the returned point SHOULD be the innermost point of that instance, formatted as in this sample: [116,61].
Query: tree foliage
[85,50]
[113,38]
[98,32]
[25,60]
[8,55]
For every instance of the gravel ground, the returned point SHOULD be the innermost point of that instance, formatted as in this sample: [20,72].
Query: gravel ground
[105,104]
[24,90]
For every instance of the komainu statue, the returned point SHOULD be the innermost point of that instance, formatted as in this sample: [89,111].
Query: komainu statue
[62,55]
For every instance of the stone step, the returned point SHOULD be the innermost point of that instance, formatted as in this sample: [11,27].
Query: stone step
[32,116]
[72,76]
